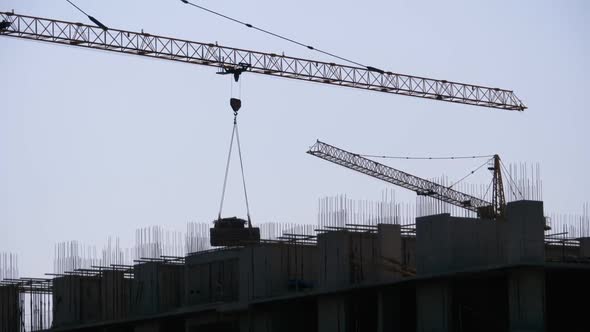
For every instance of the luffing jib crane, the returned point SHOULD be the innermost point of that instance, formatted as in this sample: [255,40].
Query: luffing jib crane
[484,209]
[237,61]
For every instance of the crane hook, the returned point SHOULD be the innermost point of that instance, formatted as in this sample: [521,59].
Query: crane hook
[235,104]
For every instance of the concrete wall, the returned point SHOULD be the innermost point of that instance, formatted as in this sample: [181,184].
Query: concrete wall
[525,232]
[390,257]
[157,287]
[365,260]
[409,251]
[332,314]
[260,277]
[526,296]
[145,289]
[301,266]
[9,309]
[354,257]
[212,277]
[272,269]
[84,299]
[558,252]
[434,306]
[76,300]
[445,243]
[584,250]
[334,259]
[115,295]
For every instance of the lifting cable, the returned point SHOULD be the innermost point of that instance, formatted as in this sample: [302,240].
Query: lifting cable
[424,158]
[514,185]
[236,105]
[470,173]
[488,190]
[231,144]
[309,47]
[438,158]
[94,20]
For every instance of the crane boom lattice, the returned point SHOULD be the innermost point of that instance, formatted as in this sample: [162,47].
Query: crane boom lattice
[232,59]
[399,178]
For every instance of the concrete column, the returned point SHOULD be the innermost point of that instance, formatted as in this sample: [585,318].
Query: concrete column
[334,259]
[389,307]
[525,229]
[584,247]
[434,244]
[9,309]
[526,296]
[114,295]
[389,244]
[332,313]
[66,301]
[434,306]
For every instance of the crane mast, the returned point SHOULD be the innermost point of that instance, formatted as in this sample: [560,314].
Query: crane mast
[234,60]
[353,161]
[498,198]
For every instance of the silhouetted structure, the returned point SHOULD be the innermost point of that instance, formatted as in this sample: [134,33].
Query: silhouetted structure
[442,273]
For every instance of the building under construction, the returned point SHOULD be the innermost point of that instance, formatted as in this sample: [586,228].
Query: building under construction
[443,273]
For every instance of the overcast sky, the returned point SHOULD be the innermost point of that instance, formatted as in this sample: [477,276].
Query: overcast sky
[94,144]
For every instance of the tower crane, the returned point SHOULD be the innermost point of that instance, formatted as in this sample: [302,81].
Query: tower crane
[237,61]
[484,209]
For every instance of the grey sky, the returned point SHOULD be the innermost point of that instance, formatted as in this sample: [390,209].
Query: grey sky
[94,144]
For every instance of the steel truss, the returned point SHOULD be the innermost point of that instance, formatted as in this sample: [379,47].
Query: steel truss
[232,59]
[388,174]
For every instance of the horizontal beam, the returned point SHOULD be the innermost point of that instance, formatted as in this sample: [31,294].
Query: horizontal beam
[231,59]
[389,174]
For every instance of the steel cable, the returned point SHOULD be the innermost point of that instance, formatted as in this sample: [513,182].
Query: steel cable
[469,174]
[243,176]
[424,158]
[94,20]
[248,25]
[515,186]
[231,143]
[235,133]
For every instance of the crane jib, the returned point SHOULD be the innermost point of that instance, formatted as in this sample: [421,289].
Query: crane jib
[389,174]
[140,43]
